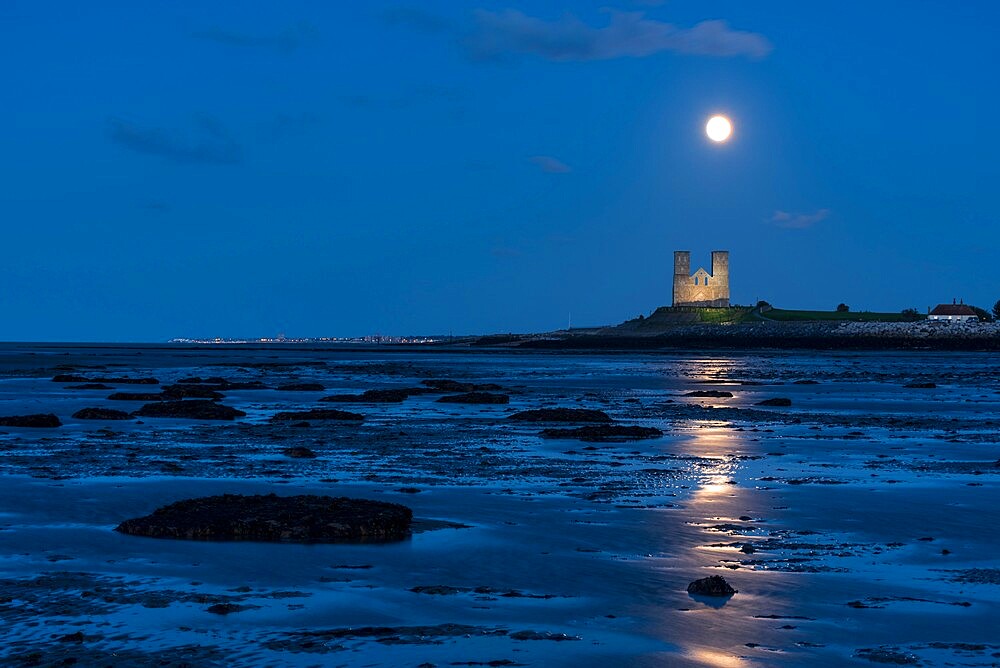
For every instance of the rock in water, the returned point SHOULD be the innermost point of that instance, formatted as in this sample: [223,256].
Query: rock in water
[776,401]
[715,394]
[561,415]
[41,420]
[189,391]
[100,414]
[299,452]
[475,398]
[302,387]
[272,518]
[605,433]
[714,585]
[448,385]
[388,396]
[136,396]
[194,409]
[317,414]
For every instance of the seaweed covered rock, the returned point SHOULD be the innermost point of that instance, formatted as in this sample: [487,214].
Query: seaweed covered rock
[387,396]
[136,396]
[448,385]
[604,433]
[39,420]
[776,401]
[190,391]
[109,380]
[193,409]
[317,414]
[101,414]
[302,387]
[475,398]
[299,452]
[272,518]
[714,585]
[561,415]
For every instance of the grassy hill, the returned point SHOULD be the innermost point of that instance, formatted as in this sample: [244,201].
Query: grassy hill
[665,318]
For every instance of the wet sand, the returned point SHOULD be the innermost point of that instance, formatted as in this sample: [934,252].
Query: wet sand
[858,524]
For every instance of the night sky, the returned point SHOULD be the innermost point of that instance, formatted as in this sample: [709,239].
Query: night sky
[332,168]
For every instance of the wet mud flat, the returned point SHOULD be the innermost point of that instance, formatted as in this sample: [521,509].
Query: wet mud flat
[857,520]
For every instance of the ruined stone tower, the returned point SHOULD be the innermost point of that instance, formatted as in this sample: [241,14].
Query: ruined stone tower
[701,288]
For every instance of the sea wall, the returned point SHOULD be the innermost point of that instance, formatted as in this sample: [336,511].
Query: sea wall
[819,335]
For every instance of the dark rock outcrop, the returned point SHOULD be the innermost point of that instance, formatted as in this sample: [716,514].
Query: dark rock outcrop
[921,386]
[299,452]
[193,409]
[136,396]
[108,380]
[317,414]
[40,420]
[448,385]
[715,394]
[220,384]
[299,519]
[561,415]
[714,585]
[190,391]
[227,608]
[302,387]
[90,386]
[475,398]
[776,401]
[604,433]
[101,414]
[388,396]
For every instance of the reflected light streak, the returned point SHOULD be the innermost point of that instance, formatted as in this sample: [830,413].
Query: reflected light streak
[714,657]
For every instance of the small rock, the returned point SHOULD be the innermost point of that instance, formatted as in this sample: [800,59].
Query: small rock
[38,420]
[194,409]
[475,398]
[560,415]
[273,518]
[226,608]
[101,414]
[714,585]
[317,414]
[299,452]
[776,401]
[302,387]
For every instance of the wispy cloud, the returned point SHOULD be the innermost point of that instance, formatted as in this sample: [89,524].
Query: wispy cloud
[206,143]
[798,221]
[550,165]
[417,18]
[628,34]
[408,98]
[284,125]
[286,41]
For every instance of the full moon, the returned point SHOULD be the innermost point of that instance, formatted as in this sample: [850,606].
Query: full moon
[718,128]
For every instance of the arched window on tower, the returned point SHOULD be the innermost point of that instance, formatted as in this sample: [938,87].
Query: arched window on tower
[706,280]
[696,280]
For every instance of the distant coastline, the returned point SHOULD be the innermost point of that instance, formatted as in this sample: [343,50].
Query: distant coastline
[731,328]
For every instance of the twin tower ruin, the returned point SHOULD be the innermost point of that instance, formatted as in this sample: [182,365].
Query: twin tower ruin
[701,288]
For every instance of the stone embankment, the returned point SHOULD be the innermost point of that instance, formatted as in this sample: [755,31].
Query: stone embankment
[922,334]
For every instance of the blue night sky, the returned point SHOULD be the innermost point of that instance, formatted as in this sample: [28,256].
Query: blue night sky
[328,168]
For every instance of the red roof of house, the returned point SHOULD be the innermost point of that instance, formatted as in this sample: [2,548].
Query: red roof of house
[953,309]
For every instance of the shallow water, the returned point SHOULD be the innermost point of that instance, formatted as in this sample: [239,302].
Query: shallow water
[869,504]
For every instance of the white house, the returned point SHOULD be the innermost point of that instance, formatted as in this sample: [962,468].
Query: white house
[953,312]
